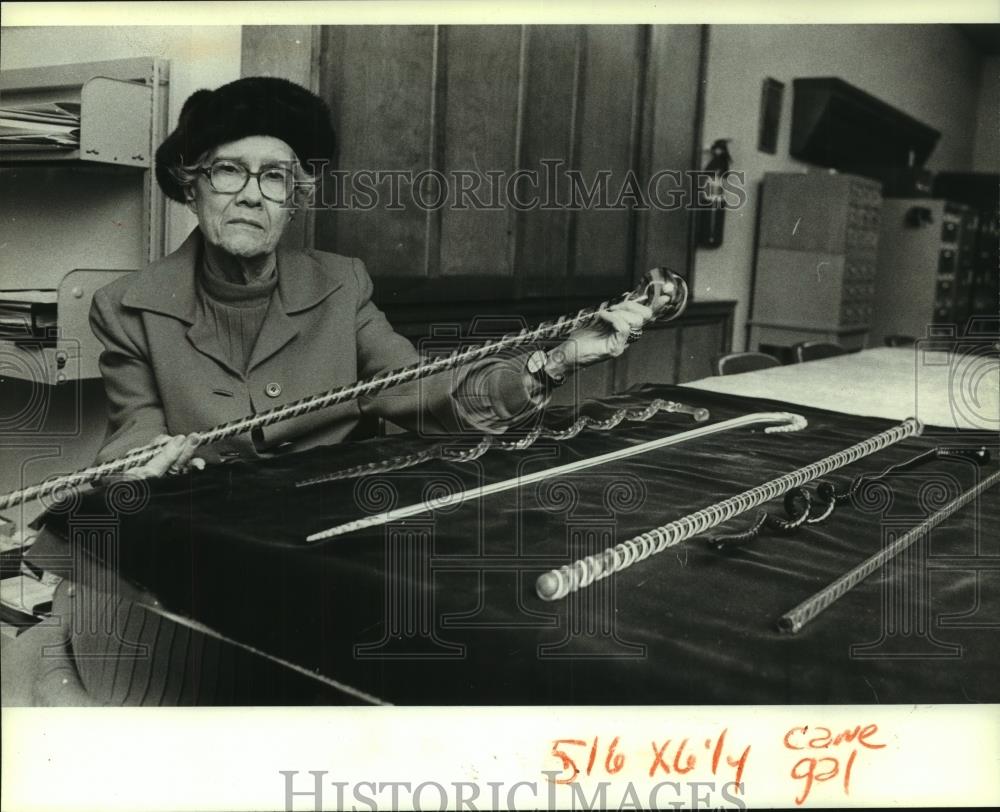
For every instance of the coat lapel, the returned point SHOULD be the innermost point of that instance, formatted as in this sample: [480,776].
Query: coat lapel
[302,284]
[203,337]
[170,287]
[276,331]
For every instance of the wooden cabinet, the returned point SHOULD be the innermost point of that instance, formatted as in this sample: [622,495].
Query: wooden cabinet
[816,259]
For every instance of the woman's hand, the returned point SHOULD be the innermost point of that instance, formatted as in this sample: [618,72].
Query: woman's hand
[176,457]
[607,337]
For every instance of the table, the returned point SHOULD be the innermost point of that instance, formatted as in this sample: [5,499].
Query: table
[960,390]
[441,609]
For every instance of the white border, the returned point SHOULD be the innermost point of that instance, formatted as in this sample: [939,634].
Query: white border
[131,759]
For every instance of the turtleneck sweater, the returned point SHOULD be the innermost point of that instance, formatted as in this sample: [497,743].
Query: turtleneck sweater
[235,310]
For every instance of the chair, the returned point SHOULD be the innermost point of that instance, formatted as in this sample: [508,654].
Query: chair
[737,362]
[815,350]
[900,341]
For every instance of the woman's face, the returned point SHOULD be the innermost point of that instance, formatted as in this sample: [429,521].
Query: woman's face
[244,224]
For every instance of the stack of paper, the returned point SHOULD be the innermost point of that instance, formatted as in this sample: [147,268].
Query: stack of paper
[28,314]
[24,600]
[26,594]
[14,542]
[49,126]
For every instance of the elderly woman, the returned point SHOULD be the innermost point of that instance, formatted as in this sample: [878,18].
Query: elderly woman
[231,324]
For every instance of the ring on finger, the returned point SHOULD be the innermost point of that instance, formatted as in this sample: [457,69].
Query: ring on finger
[634,334]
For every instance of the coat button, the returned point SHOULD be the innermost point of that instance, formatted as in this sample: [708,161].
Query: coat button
[273,389]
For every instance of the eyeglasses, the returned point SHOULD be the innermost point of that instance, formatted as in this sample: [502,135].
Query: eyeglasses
[229,177]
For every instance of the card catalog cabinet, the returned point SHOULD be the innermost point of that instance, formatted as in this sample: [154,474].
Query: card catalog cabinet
[816,259]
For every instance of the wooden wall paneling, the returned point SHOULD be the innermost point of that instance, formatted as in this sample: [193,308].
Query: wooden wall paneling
[586,384]
[481,85]
[502,98]
[607,141]
[669,141]
[554,54]
[679,350]
[654,359]
[576,138]
[287,52]
[380,83]
[498,98]
[433,193]
[699,344]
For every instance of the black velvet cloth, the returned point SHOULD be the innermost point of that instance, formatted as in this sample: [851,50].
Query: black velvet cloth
[442,609]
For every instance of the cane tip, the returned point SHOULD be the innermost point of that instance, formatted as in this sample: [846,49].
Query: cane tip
[547,586]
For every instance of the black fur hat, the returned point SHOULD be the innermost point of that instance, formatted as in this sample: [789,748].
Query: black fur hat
[255,105]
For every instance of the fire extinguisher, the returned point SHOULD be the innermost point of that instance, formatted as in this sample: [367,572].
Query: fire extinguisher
[710,217]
